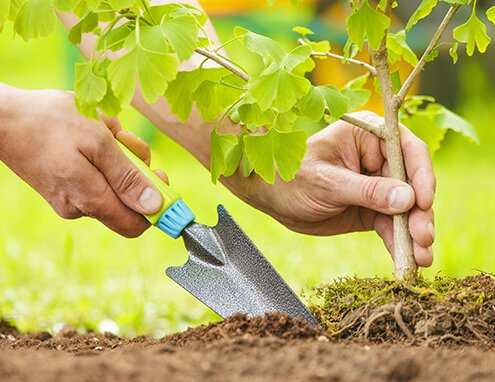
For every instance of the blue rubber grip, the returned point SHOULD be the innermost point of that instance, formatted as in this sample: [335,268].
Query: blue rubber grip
[175,219]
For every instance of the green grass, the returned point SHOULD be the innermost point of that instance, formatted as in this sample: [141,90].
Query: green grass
[77,272]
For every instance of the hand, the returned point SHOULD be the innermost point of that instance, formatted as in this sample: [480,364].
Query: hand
[342,187]
[74,162]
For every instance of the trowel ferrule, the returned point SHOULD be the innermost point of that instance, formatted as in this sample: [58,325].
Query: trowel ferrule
[175,219]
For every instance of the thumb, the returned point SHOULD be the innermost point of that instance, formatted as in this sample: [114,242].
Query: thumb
[132,187]
[385,195]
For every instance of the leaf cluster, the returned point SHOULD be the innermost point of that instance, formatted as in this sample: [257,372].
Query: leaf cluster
[142,46]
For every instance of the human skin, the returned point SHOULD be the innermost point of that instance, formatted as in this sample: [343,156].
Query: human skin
[74,162]
[342,185]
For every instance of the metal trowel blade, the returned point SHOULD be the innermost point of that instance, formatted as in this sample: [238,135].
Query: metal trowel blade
[227,273]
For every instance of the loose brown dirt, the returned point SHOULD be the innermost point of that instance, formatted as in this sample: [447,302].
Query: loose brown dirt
[270,348]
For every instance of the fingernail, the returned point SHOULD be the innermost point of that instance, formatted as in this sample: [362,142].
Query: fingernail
[431,229]
[400,198]
[150,200]
[130,133]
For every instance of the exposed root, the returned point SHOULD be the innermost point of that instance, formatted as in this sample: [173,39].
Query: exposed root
[442,311]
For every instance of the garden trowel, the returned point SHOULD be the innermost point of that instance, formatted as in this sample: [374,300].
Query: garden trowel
[225,270]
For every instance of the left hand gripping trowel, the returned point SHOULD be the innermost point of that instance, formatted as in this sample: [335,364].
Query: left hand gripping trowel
[225,270]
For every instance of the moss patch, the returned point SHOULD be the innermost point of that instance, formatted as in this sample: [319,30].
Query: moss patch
[442,310]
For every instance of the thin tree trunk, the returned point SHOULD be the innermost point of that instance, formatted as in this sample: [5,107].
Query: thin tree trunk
[405,265]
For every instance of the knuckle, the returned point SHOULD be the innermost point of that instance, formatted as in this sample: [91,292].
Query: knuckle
[66,210]
[128,181]
[370,191]
[96,140]
[133,232]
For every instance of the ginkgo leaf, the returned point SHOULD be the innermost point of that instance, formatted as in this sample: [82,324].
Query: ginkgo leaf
[284,121]
[163,12]
[453,52]
[261,45]
[319,98]
[303,31]
[354,90]
[367,24]
[251,113]
[398,48]
[491,14]
[35,18]
[221,145]
[182,34]
[212,98]
[473,33]
[449,120]
[179,92]
[84,25]
[423,10]
[89,88]
[425,128]
[276,150]
[114,40]
[431,123]
[298,61]
[277,88]
[154,70]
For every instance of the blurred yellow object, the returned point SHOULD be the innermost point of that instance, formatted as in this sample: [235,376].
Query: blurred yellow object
[232,6]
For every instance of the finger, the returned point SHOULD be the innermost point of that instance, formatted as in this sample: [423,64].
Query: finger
[135,144]
[421,225]
[132,187]
[113,124]
[162,176]
[423,256]
[384,227]
[385,195]
[96,199]
[419,168]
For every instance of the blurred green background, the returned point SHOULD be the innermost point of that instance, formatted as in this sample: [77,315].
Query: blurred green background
[54,271]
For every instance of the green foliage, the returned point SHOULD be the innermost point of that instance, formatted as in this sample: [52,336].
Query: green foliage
[423,10]
[270,149]
[367,24]
[432,122]
[152,41]
[399,50]
[473,33]
[35,18]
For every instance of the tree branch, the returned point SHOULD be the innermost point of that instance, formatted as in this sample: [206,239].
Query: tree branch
[223,62]
[422,62]
[365,125]
[370,127]
[363,64]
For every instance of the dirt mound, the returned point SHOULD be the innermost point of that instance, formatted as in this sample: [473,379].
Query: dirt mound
[277,325]
[444,311]
[270,348]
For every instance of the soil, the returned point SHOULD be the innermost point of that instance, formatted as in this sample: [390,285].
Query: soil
[382,344]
